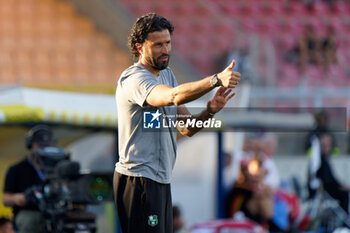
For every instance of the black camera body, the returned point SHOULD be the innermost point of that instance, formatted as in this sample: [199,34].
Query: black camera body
[64,194]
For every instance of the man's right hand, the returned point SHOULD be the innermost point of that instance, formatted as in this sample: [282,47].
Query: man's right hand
[228,77]
[19,199]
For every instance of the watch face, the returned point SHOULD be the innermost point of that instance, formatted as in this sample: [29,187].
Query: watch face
[214,81]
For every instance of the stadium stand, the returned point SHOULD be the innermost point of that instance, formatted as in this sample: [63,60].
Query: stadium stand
[48,43]
[279,22]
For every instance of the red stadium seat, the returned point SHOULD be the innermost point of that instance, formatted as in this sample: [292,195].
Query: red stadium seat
[341,7]
[314,76]
[287,41]
[275,7]
[321,9]
[318,25]
[232,9]
[297,8]
[337,23]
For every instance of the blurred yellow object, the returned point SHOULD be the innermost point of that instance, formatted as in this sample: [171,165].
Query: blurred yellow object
[28,105]
[15,113]
[253,167]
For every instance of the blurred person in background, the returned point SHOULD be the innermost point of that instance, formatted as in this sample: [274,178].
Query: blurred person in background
[326,176]
[6,225]
[269,146]
[146,159]
[309,49]
[24,175]
[329,48]
[321,127]
[258,148]
[178,222]
[250,195]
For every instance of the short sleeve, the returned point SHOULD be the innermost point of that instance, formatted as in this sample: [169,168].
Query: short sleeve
[138,86]
[173,79]
[10,181]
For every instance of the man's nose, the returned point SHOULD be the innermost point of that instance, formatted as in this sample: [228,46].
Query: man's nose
[165,49]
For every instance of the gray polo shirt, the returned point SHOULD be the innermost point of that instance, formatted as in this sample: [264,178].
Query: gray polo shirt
[144,153]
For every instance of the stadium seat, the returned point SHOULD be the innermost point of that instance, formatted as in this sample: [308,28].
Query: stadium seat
[26,26]
[321,9]
[231,8]
[8,74]
[64,9]
[287,41]
[291,74]
[204,64]
[64,43]
[341,7]
[25,8]
[314,76]
[22,58]
[84,26]
[8,27]
[297,8]
[46,26]
[270,26]
[293,24]
[337,23]
[65,26]
[186,8]
[45,9]
[166,8]
[336,76]
[317,24]
[26,43]
[100,58]
[102,41]
[275,7]
[7,43]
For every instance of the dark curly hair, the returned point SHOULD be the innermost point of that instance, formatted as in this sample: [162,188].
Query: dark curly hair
[145,25]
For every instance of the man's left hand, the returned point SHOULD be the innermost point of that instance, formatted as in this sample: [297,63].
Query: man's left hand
[222,96]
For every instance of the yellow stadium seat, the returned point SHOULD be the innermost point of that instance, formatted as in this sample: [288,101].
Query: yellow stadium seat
[26,42]
[45,8]
[7,43]
[102,41]
[8,75]
[64,26]
[64,9]
[81,58]
[26,26]
[84,25]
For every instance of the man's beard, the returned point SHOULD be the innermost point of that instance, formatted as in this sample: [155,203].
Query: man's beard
[156,64]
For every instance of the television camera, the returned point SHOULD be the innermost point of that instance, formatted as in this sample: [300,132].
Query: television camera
[66,191]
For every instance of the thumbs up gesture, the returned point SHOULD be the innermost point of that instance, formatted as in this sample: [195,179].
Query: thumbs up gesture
[228,77]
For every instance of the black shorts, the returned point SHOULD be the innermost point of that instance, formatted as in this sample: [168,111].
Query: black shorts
[143,205]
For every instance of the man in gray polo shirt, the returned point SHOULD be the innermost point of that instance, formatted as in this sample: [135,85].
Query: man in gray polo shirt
[146,92]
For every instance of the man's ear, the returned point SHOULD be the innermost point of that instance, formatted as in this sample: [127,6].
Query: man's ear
[139,48]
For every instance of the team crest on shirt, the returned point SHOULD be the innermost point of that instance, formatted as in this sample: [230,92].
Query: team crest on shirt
[153,220]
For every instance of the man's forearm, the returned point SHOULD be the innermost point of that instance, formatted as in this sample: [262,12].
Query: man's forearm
[190,131]
[188,92]
[11,199]
[8,199]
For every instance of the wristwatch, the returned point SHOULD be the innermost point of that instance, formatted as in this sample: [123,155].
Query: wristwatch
[214,81]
